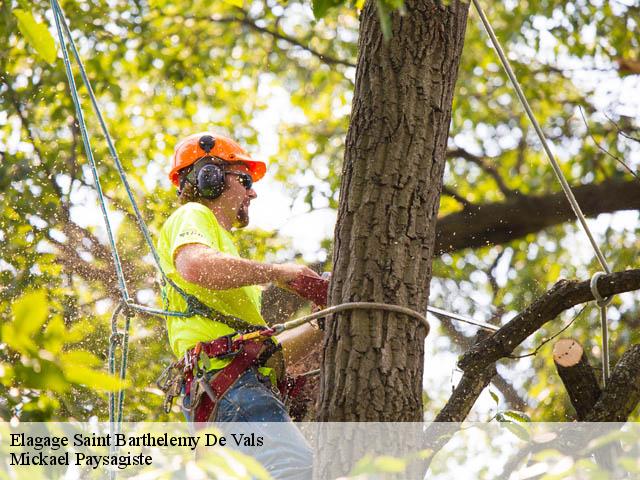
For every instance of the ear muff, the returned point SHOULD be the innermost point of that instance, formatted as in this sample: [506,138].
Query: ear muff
[210,181]
[207,177]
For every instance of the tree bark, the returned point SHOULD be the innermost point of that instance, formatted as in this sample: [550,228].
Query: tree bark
[372,361]
[622,394]
[391,182]
[577,375]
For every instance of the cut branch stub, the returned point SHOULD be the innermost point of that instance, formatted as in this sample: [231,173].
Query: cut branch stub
[577,375]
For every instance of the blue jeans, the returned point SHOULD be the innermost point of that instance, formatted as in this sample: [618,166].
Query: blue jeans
[286,455]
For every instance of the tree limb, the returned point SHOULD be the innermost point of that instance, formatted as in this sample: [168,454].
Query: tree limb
[622,394]
[502,222]
[562,296]
[510,394]
[456,196]
[577,376]
[465,394]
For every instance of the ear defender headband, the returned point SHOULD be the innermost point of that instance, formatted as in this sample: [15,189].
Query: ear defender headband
[204,175]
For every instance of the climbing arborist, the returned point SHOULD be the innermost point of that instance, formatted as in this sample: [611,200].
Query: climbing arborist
[224,348]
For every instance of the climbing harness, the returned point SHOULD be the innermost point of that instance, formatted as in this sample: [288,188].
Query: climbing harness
[566,188]
[203,388]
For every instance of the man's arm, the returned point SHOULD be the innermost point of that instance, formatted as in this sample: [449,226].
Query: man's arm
[204,266]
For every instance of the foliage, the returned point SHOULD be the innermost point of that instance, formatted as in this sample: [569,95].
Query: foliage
[45,368]
[274,76]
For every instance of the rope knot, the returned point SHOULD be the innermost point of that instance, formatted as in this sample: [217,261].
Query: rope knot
[115,338]
[600,300]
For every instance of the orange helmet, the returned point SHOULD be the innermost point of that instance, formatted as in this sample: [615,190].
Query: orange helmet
[206,144]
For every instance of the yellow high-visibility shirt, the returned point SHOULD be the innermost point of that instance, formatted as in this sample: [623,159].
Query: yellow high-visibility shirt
[195,223]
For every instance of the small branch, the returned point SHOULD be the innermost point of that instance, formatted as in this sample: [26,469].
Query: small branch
[484,165]
[457,197]
[277,34]
[548,339]
[604,150]
[621,131]
[562,296]
[512,397]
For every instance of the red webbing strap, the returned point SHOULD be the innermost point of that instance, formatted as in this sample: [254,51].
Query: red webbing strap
[227,377]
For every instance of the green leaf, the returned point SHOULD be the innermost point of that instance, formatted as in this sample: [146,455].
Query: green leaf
[495,397]
[80,358]
[321,7]
[517,429]
[93,379]
[235,3]
[37,35]
[30,311]
[54,335]
[518,416]
[77,369]
[390,464]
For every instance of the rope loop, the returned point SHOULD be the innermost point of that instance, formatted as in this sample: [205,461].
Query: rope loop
[600,300]
[115,338]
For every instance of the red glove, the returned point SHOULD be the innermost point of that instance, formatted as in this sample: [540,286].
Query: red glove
[314,289]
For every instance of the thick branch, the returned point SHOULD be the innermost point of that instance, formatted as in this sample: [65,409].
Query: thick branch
[465,394]
[622,394]
[502,222]
[562,296]
[577,375]
[514,400]
[447,422]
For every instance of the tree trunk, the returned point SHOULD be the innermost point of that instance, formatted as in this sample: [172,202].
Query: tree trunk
[391,181]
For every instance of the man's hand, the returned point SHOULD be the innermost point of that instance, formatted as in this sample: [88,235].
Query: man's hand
[287,272]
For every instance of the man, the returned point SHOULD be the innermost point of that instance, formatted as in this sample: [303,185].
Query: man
[214,176]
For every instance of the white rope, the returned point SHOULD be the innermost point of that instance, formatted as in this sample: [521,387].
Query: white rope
[602,304]
[438,312]
[281,327]
[556,168]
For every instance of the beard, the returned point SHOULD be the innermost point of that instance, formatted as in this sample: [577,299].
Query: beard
[242,217]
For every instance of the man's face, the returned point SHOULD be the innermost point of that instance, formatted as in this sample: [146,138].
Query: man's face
[236,197]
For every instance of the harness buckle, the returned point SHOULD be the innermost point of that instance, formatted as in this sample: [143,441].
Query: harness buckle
[231,352]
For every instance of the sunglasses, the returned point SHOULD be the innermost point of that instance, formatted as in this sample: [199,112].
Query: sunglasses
[245,179]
